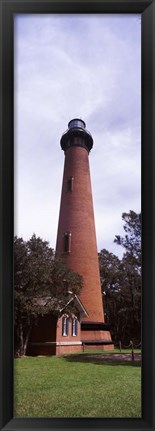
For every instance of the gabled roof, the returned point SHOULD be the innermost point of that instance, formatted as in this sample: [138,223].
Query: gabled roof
[73,298]
[79,305]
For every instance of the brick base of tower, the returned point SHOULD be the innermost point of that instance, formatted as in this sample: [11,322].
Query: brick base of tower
[95,335]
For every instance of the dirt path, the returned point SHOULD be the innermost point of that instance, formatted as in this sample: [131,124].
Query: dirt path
[118,356]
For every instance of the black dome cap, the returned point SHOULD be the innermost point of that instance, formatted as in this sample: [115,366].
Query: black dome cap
[76,128]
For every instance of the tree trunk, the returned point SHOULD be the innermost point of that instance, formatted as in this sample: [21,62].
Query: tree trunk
[26,339]
[21,339]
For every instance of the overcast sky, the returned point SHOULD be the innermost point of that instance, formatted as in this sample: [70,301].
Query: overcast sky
[85,66]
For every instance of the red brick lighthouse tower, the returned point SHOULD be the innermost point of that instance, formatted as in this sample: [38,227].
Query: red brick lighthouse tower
[76,237]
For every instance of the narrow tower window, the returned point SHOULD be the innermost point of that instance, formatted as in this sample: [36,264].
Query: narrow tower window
[70,184]
[65,322]
[67,242]
[74,326]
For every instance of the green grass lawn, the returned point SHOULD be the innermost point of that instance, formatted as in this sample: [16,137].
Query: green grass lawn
[76,386]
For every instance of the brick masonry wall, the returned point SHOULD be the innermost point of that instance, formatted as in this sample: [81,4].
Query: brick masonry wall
[48,332]
[44,330]
[62,350]
[96,335]
[77,216]
[69,337]
[69,343]
[42,337]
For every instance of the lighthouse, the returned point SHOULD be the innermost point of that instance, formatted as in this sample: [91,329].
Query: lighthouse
[76,246]
[76,237]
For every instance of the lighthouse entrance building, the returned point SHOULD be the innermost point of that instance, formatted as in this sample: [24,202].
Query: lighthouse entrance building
[76,245]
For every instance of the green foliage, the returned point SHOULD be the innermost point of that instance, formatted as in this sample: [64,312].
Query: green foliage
[132,240]
[110,271]
[121,282]
[72,387]
[41,285]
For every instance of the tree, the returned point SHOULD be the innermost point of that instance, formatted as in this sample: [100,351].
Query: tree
[132,240]
[121,282]
[131,264]
[41,285]
[110,274]
[111,283]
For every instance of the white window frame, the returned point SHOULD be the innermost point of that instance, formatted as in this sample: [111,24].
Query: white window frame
[74,327]
[65,328]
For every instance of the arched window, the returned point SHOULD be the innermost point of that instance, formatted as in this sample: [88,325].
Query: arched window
[65,325]
[74,326]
